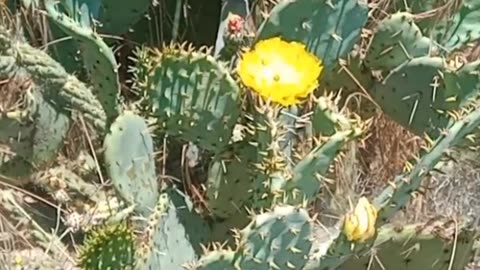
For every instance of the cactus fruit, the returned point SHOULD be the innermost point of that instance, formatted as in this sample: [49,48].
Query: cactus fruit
[329,29]
[327,118]
[98,57]
[108,247]
[306,181]
[130,161]
[193,97]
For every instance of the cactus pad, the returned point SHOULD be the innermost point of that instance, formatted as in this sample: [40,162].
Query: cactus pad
[279,239]
[108,247]
[329,29]
[397,39]
[129,155]
[169,241]
[229,182]
[194,97]
[453,33]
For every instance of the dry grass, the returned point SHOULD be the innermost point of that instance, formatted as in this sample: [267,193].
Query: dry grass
[386,149]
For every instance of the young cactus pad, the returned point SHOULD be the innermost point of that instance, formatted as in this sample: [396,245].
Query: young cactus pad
[193,97]
[108,247]
[131,166]
[329,29]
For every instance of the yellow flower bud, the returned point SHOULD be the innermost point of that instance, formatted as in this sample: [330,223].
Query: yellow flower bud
[359,225]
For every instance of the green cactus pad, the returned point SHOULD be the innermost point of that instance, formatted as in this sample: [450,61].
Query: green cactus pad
[305,183]
[108,247]
[118,16]
[130,161]
[229,182]
[279,239]
[419,95]
[417,247]
[396,40]
[197,230]
[171,237]
[454,33]
[329,29]
[97,57]
[194,97]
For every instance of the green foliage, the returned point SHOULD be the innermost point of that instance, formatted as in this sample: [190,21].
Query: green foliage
[460,29]
[108,247]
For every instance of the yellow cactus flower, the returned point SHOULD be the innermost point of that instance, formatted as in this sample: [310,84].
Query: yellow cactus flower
[359,225]
[281,71]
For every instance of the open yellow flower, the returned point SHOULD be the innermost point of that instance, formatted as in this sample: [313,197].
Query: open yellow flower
[360,225]
[281,71]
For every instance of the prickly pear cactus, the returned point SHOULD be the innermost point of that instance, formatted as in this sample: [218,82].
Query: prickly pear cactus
[108,247]
[130,161]
[193,97]
[328,28]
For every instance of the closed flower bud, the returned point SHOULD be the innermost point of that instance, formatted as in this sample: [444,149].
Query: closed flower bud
[359,225]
